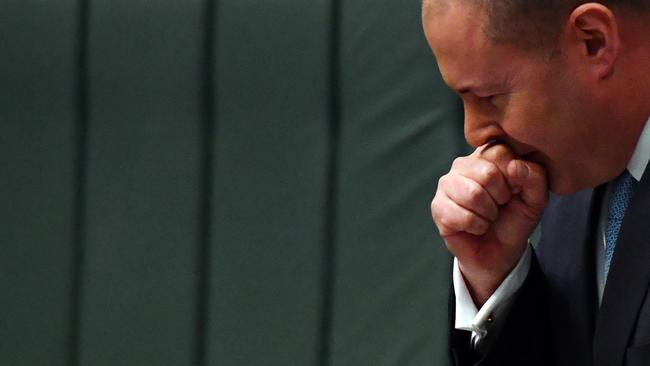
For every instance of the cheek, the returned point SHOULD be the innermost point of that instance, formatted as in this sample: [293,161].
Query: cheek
[541,110]
[532,120]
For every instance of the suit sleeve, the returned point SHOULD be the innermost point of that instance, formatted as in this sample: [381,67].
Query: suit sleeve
[524,337]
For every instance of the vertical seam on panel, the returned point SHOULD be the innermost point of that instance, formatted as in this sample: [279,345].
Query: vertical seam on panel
[331,206]
[81,160]
[205,196]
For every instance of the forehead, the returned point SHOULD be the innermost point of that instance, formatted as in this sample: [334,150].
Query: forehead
[466,57]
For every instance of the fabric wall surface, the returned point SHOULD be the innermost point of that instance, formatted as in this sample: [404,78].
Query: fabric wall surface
[38,149]
[270,184]
[221,182]
[143,183]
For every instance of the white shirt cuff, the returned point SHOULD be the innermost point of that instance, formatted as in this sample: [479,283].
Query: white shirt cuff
[469,318]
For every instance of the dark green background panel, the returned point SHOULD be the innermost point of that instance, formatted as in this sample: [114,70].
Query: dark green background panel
[269,182]
[400,129]
[217,208]
[144,158]
[38,42]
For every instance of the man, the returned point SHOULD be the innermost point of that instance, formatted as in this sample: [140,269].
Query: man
[557,98]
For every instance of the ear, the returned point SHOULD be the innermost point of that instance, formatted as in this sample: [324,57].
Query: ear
[593,29]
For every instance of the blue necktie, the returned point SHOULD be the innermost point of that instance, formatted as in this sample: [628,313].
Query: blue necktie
[619,201]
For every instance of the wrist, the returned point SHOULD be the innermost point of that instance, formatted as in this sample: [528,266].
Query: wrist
[483,282]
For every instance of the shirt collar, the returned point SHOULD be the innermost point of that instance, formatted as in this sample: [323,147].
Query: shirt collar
[641,155]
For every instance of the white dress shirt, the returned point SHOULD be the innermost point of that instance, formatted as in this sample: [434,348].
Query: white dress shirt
[486,322]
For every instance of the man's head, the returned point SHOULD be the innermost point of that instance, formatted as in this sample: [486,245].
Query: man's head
[564,82]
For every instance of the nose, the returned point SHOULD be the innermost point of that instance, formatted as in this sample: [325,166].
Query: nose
[480,127]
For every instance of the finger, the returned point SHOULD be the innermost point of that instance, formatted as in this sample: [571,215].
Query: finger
[451,218]
[470,195]
[488,175]
[531,179]
[496,152]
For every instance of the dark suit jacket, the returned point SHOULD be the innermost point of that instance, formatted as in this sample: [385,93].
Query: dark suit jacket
[555,319]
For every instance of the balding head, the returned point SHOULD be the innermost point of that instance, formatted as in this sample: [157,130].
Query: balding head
[439,7]
[529,23]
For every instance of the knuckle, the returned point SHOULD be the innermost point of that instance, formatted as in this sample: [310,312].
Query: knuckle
[442,180]
[459,161]
[466,218]
[437,211]
[474,194]
[434,206]
[488,173]
[444,221]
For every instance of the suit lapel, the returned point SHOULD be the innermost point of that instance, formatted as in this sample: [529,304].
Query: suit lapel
[628,281]
[566,256]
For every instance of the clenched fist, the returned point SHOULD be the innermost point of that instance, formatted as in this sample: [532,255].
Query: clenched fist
[485,208]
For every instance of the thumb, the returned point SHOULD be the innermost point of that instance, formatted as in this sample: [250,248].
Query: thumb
[529,180]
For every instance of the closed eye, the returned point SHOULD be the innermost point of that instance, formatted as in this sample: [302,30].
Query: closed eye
[492,98]
[480,97]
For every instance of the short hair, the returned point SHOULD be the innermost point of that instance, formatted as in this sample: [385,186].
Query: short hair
[534,23]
